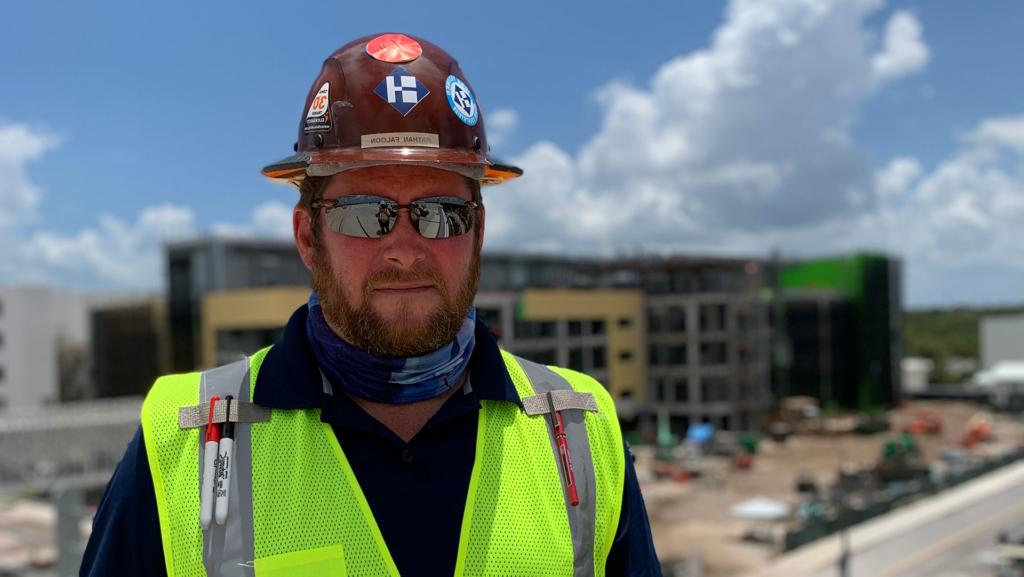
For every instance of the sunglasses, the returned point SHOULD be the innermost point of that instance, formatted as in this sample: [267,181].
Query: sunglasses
[364,216]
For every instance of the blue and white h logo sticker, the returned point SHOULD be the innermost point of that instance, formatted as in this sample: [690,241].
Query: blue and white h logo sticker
[401,90]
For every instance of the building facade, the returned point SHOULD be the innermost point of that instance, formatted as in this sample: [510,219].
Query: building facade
[858,325]
[44,345]
[130,347]
[199,267]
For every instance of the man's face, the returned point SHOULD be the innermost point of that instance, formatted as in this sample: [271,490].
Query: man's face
[401,294]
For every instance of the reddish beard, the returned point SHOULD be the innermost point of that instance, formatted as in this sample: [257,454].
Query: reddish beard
[364,329]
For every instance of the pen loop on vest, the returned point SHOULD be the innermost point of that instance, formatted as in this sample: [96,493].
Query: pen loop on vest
[235,411]
[559,400]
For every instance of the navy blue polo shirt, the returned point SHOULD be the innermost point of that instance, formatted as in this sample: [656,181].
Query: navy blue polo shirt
[416,490]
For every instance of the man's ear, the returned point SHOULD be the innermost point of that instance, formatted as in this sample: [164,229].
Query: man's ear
[302,227]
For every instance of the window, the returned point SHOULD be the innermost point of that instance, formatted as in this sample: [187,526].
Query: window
[491,318]
[675,319]
[2,374]
[714,389]
[542,356]
[625,322]
[714,354]
[598,361]
[677,355]
[712,317]
[586,328]
[1,341]
[660,386]
[625,355]
[535,329]
[682,390]
[576,359]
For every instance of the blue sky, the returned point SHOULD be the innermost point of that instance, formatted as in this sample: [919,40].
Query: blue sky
[814,127]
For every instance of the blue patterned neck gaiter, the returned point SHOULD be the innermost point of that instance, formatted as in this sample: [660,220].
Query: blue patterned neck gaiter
[393,380]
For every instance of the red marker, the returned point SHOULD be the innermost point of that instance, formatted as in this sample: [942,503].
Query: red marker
[209,467]
[223,467]
[563,452]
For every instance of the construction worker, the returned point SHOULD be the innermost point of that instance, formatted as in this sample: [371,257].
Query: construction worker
[385,433]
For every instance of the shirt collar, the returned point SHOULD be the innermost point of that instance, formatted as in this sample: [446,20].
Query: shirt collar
[289,378]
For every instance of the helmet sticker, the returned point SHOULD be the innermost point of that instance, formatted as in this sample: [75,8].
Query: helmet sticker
[401,90]
[316,117]
[394,48]
[461,100]
[399,139]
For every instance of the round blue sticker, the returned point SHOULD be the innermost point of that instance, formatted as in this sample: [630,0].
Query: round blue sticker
[461,100]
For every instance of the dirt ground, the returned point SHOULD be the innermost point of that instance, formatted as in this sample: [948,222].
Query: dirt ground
[692,518]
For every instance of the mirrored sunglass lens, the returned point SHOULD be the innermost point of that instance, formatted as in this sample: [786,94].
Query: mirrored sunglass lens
[363,220]
[443,219]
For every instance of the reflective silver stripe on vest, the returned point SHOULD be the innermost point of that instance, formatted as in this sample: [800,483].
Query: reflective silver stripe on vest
[581,517]
[228,549]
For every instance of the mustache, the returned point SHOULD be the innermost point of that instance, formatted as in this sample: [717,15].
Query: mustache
[389,276]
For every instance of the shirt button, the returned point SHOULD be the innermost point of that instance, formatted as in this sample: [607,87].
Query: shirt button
[407,455]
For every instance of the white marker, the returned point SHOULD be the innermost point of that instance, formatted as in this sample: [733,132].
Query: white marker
[223,466]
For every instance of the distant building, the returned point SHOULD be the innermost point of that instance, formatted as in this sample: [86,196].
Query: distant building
[917,373]
[130,347]
[1002,339]
[819,332]
[858,323]
[199,267]
[240,322]
[1003,383]
[688,334]
[44,345]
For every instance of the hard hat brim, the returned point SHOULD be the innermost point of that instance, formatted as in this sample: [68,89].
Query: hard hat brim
[293,169]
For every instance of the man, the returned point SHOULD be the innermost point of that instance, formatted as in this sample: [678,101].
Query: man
[385,433]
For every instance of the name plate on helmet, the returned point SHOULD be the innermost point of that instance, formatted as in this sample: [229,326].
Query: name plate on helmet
[400,139]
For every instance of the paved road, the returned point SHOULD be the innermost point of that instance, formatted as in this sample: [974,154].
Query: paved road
[954,545]
[948,535]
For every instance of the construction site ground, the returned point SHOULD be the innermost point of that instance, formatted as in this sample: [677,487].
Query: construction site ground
[692,517]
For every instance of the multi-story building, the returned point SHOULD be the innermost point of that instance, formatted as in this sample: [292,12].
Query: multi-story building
[44,353]
[197,268]
[130,347]
[844,330]
[685,337]
[1001,339]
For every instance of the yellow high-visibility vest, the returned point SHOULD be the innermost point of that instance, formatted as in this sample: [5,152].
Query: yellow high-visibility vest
[297,508]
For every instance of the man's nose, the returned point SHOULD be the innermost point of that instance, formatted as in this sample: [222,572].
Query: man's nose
[404,246]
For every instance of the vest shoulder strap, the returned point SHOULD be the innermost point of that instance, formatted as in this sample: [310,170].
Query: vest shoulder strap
[228,548]
[574,395]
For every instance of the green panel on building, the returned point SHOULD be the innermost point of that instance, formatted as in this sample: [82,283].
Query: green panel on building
[871,284]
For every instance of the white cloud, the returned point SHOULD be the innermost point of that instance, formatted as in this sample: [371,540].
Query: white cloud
[903,51]
[270,219]
[738,148]
[1000,132]
[19,145]
[897,176]
[113,252]
[501,124]
[747,145]
[749,134]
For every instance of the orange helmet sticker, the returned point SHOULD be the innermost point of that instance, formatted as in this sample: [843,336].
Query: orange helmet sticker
[394,48]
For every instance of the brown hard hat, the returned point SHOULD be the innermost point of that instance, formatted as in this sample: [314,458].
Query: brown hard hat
[391,99]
